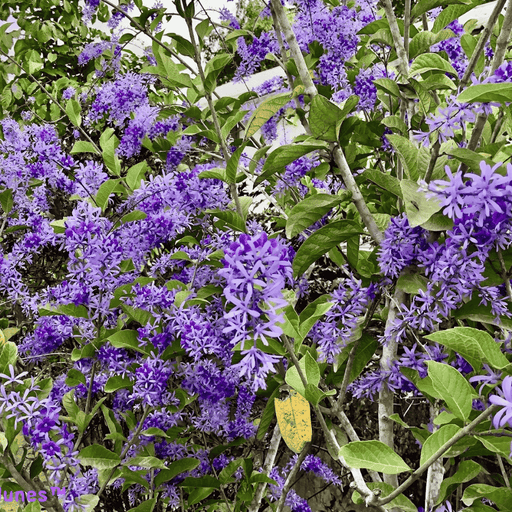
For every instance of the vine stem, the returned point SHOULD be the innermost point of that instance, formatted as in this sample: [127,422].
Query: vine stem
[339,157]
[386,395]
[134,439]
[484,36]
[197,57]
[267,466]
[403,62]
[291,477]
[501,47]
[439,453]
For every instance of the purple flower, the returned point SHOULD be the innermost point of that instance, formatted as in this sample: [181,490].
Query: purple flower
[68,93]
[504,416]
[492,378]
[401,246]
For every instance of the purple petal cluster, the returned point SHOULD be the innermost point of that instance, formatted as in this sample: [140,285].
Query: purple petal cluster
[401,246]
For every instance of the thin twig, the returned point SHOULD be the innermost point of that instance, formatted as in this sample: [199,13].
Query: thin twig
[503,472]
[439,453]
[291,477]
[232,187]
[484,36]
[267,466]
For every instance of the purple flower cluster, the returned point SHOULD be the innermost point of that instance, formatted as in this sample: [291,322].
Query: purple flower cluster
[350,301]
[401,246]
[253,54]
[256,270]
[453,48]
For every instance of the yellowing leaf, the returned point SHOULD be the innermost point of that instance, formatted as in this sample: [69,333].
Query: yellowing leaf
[294,420]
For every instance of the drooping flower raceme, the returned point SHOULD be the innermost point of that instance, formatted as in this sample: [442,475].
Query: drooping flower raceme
[256,270]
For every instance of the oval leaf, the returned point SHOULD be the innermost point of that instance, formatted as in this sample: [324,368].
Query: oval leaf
[308,211]
[373,455]
[99,457]
[321,242]
[436,440]
[453,388]
[294,419]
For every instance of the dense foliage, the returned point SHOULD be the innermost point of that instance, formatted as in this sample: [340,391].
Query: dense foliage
[186,282]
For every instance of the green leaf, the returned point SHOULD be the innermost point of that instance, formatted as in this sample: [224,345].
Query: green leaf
[218,174]
[315,310]
[230,218]
[367,347]
[82,146]
[422,41]
[484,93]
[500,445]
[468,43]
[438,222]
[109,155]
[167,69]
[199,494]
[322,241]
[174,469]
[6,200]
[424,6]
[310,370]
[501,496]
[145,506]
[282,156]
[323,118]
[135,174]
[267,415]
[34,62]
[75,377]
[8,356]
[411,156]
[147,462]
[232,165]
[471,158]
[105,191]
[412,283]
[133,216]
[116,382]
[431,62]
[99,457]
[225,476]
[452,12]
[259,477]
[384,181]
[308,211]
[419,209]
[373,455]
[126,339]
[438,439]
[474,345]
[388,86]
[467,470]
[265,111]
[73,110]
[395,123]
[203,481]
[453,388]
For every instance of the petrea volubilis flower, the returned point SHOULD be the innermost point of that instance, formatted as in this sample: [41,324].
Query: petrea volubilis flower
[504,399]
